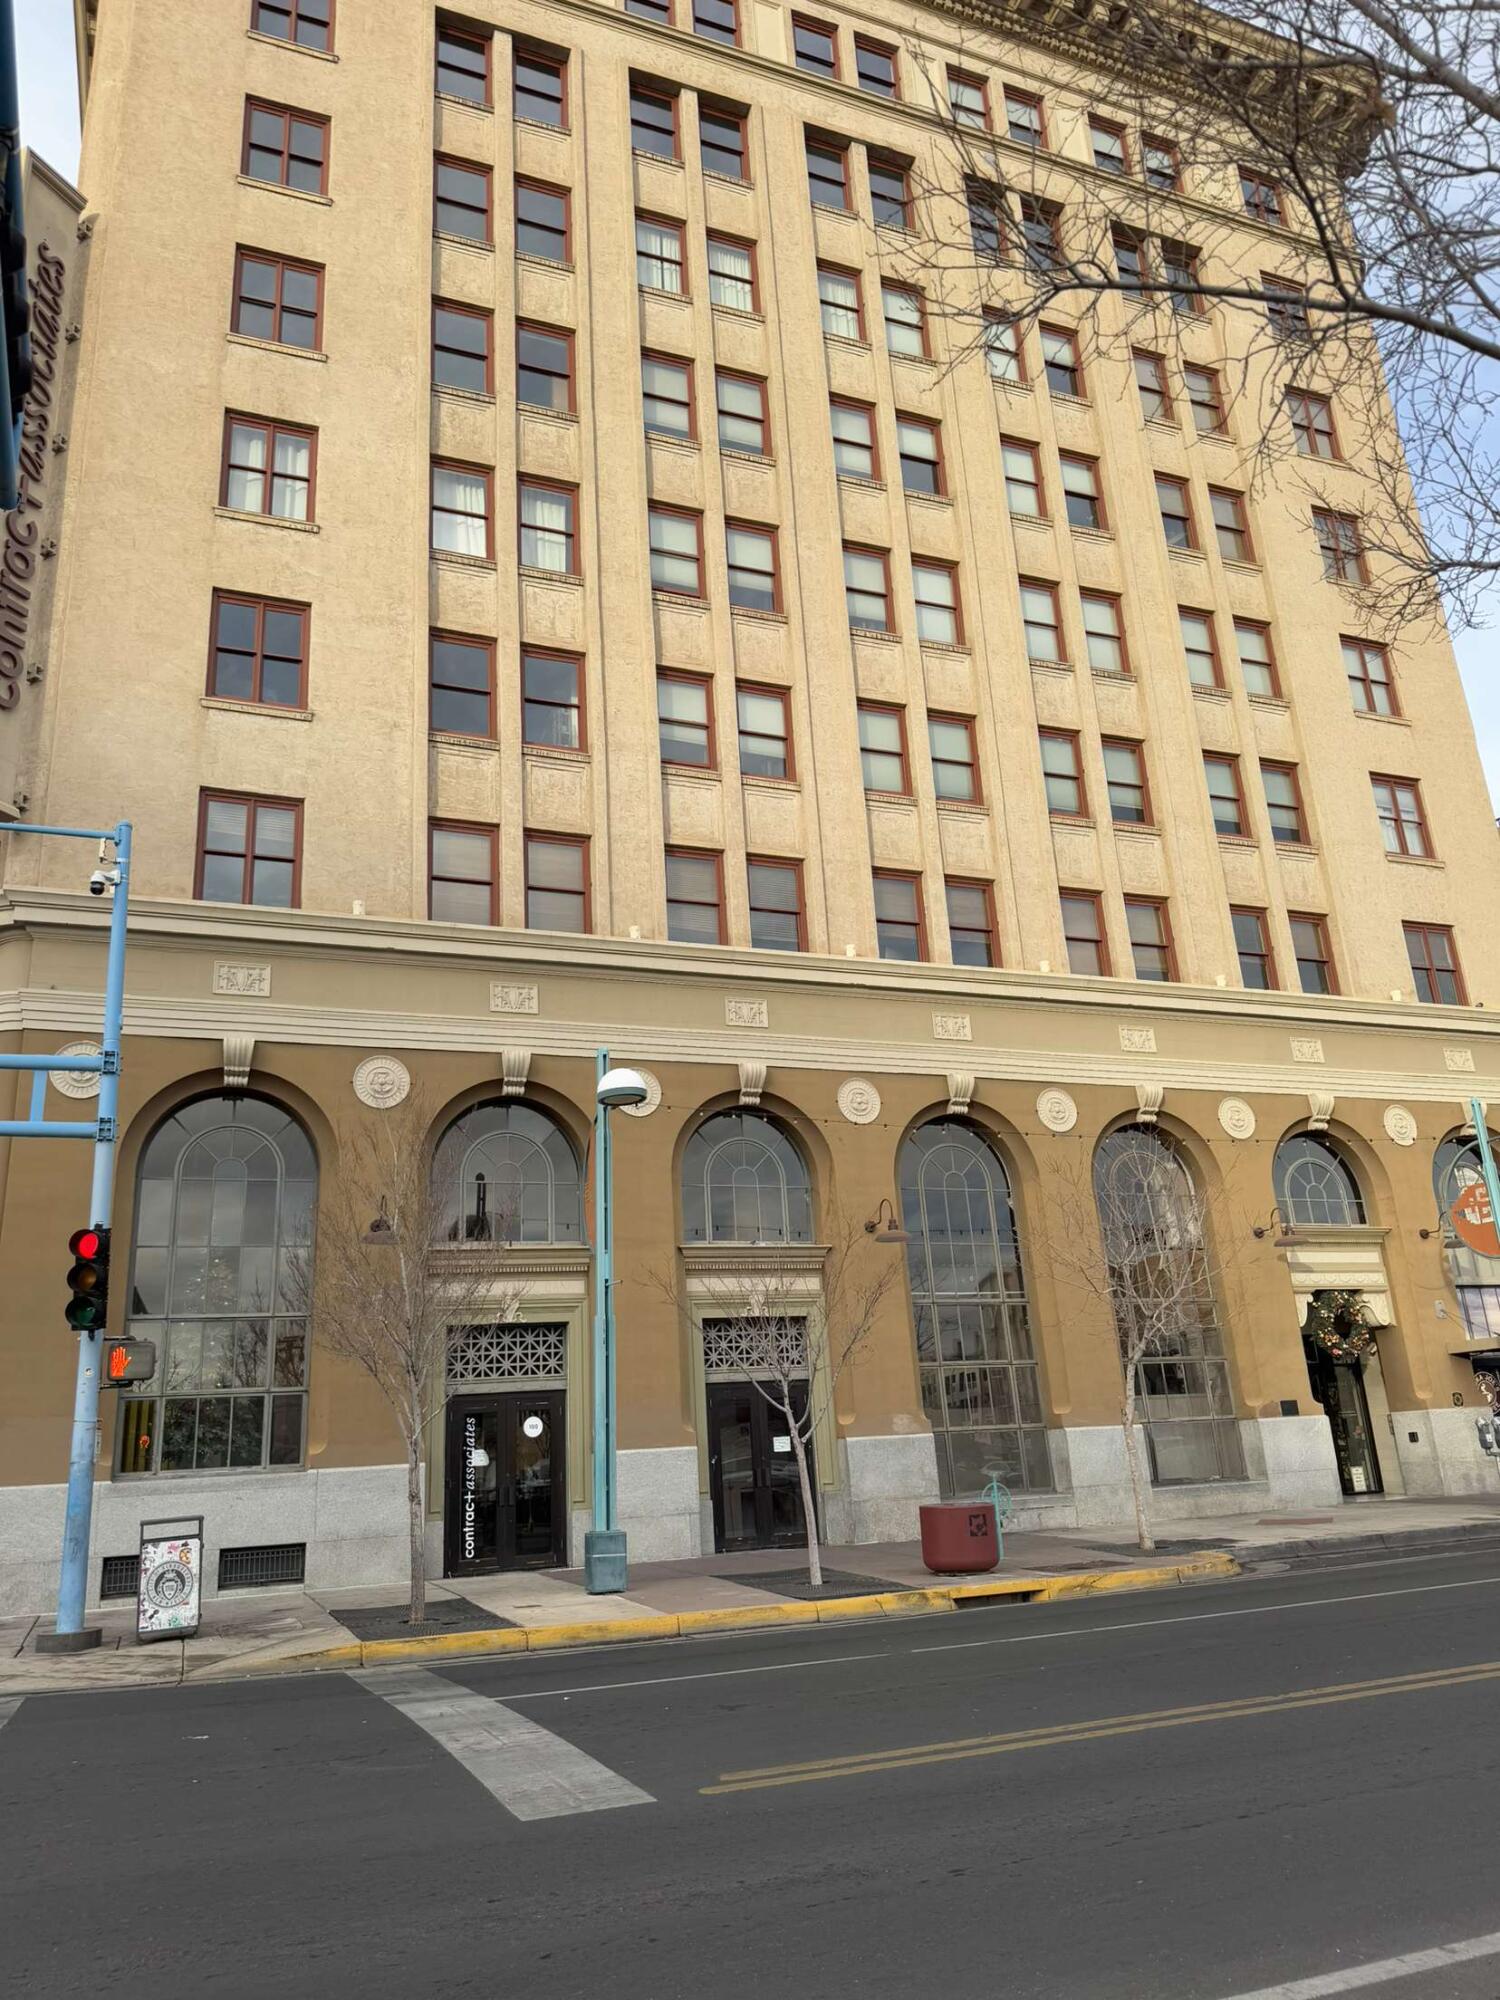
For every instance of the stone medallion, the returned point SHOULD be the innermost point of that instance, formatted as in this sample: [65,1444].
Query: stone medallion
[653,1096]
[1400,1125]
[859,1101]
[1237,1118]
[1057,1110]
[382,1082]
[76,1082]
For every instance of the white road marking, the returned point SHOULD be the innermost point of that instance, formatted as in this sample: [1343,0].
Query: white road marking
[717,1674]
[8,1706]
[534,1774]
[1380,1971]
[1201,1617]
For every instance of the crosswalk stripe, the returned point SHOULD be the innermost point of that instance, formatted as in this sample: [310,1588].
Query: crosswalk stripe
[533,1773]
[8,1706]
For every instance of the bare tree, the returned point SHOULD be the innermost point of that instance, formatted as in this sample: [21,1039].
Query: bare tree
[400,1261]
[795,1340]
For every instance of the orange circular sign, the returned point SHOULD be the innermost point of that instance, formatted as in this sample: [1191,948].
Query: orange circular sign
[1474,1221]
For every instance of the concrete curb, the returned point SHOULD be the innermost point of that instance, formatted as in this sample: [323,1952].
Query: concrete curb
[685,1624]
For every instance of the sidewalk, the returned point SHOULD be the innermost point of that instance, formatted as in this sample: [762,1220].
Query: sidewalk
[296,1631]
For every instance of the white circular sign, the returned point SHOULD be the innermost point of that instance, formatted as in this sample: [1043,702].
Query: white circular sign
[533,1426]
[76,1082]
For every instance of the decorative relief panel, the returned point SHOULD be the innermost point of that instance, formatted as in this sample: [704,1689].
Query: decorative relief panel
[1459,1058]
[507,1353]
[763,650]
[950,681]
[740,1347]
[859,1100]
[1237,1118]
[773,818]
[652,1098]
[543,293]
[551,613]
[1057,1110]
[965,838]
[1138,1041]
[952,1028]
[747,1014]
[1400,1125]
[509,999]
[879,670]
[79,1083]
[244,981]
[465,783]
[548,448]
[674,473]
[558,793]
[382,1082]
[683,635]
[895,836]
[693,810]
[1307,1049]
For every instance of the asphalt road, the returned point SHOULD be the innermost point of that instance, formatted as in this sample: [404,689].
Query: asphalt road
[1189,1795]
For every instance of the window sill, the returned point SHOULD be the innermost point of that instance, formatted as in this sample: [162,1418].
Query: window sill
[464,103]
[541,125]
[1076,402]
[446,392]
[1031,521]
[728,180]
[1051,666]
[1185,555]
[1415,860]
[747,314]
[693,774]
[452,739]
[656,292]
[679,598]
[749,612]
[852,479]
[267,521]
[475,243]
[1371,715]
[285,42]
[846,341]
[1122,675]
[964,808]
[276,347]
[923,361]
[880,638]
[552,753]
[942,501]
[1011,388]
[660,441]
[1168,426]
[890,798]
[947,648]
[1213,437]
[566,420]
[745,457]
[1300,850]
[1238,843]
[1089,534]
[1240,568]
[531,257]
[1071,819]
[456,559]
[661,159]
[756,783]
[1210,694]
[231,707]
[571,577]
[292,194]
[1133,830]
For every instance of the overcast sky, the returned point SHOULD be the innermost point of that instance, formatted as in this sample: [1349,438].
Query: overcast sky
[49,122]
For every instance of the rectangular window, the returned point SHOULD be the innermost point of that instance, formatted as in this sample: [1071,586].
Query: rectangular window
[462,887]
[875,67]
[743,425]
[1151,386]
[1284,804]
[899,929]
[285,148]
[905,322]
[1040,224]
[461,685]
[277,299]
[1021,465]
[1150,939]
[717,20]
[695,897]
[551,700]
[557,882]
[667,396]
[1224,796]
[1341,546]
[461,200]
[1159,164]
[1260,197]
[754,577]
[1200,647]
[1131,258]
[1315,971]
[882,750]
[971,923]
[723,146]
[827,173]
[461,509]
[1060,361]
[775,890]
[968,100]
[1083,932]
[659,265]
[544,369]
[1368,668]
[1179,267]
[1002,349]
[653,121]
[651,10]
[461,348]
[542,222]
[1041,622]
[867,590]
[921,450]
[1107,143]
[676,544]
[463,65]
[939,613]
[1176,512]
[840,303]
[955,772]
[1398,807]
[539,91]
[1104,633]
[1252,943]
[890,192]
[269,468]
[1206,398]
[1125,781]
[731,274]
[1023,118]
[1257,660]
[1083,502]
[1312,424]
[258,651]
[855,452]
[685,722]
[308,23]
[1231,525]
[765,732]
[249,850]
[1433,958]
[1062,774]
[815,46]
[986,204]
[548,528]
[1286,307]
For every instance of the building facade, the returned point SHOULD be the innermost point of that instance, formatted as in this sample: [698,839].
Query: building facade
[544,570]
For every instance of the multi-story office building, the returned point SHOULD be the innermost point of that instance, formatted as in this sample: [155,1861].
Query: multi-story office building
[540,575]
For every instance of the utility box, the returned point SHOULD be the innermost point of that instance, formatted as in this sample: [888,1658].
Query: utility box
[960,1537]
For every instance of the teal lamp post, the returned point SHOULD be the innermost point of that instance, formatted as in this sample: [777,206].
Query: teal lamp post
[604,1543]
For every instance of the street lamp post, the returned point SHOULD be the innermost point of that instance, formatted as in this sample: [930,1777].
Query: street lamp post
[604,1543]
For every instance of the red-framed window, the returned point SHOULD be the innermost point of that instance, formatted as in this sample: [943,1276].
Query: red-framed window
[461,685]
[1231,525]
[1062,774]
[1152,387]
[462,199]
[875,68]
[815,46]
[723,141]
[547,524]
[940,616]
[1132,257]
[717,20]
[1149,929]
[884,767]
[660,259]
[1021,465]
[1104,641]
[765,732]
[867,589]
[463,509]
[675,540]
[1041,621]
[269,468]
[463,348]
[1341,546]
[1200,647]
[257,650]
[1252,944]
[900,928]
[652,10]
[277,298]
[841,303]
[1041,226]
[544,368]
[1284,803]
[1316,972]
[1206,399]
[308,23]
[733,283]
[1257,659]
[285,148]
[904,311]
[249,850]
[1107,143]
[695,896]
[1060,361]
[985,201]
[1125,781]
[667,402]
[890,191]
[1312,424]
[539,88]
[1025,119]
[971,922]
[1368,668]
[1433,957]
[1403,824]
[463,64]
[1226,799]
[740,401]
[1179,268]
[552,700]
[1004,352]
[754,569]
[827,172]
[920,444]
[1083,932]
[856,445]
[653,120]
[955,763]
[462,873]
[1161,165]
[777,919]
[1260,197]
[968,99]
[543,222]
[1286,306]
[1176,510]
[1083,491]
[557,882]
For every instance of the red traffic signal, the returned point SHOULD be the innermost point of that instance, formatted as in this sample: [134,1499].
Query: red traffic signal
[85,1243]
[128,1361]
[88,1281]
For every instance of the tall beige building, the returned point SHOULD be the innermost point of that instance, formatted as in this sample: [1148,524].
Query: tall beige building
[545,566]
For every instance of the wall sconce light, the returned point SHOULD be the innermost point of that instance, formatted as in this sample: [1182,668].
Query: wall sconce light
[1286,1230]
[381,1229]
[883,1225]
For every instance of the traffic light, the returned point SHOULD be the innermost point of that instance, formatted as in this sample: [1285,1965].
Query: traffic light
[128,1361]
[88,1281]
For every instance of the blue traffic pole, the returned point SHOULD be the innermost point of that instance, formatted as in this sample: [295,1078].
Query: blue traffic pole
[604,1545]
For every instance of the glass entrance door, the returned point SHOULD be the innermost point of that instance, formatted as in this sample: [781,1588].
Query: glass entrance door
[505,1496]
[753,1469]
[1339,1387]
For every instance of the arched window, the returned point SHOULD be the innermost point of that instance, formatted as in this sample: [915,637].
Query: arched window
[743,1181]
[1476,1279]
[507,1173]
[1151,1222]
[973,1332]
[223,1236]
[1314,1186]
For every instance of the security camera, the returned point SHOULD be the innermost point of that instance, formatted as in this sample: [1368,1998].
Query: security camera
[98,882]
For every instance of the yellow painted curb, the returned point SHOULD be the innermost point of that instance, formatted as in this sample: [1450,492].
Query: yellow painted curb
[909,1603]
[1089,1582]
[599,1632]
[830,1610]
[492,1639]
[733,1617]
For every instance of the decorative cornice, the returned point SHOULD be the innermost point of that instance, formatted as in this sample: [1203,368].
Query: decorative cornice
[722,1260]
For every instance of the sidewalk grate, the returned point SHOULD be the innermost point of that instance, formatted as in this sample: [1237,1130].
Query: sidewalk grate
[836,1583]
[255,1569]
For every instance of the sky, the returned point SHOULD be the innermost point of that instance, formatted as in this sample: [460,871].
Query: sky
[49,123]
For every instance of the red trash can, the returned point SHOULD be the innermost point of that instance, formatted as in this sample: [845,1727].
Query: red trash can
[959,1537]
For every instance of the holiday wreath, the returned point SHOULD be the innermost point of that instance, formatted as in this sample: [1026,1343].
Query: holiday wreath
[1339,1323]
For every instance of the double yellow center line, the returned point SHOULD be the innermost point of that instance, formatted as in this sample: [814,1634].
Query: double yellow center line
[859,1765]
